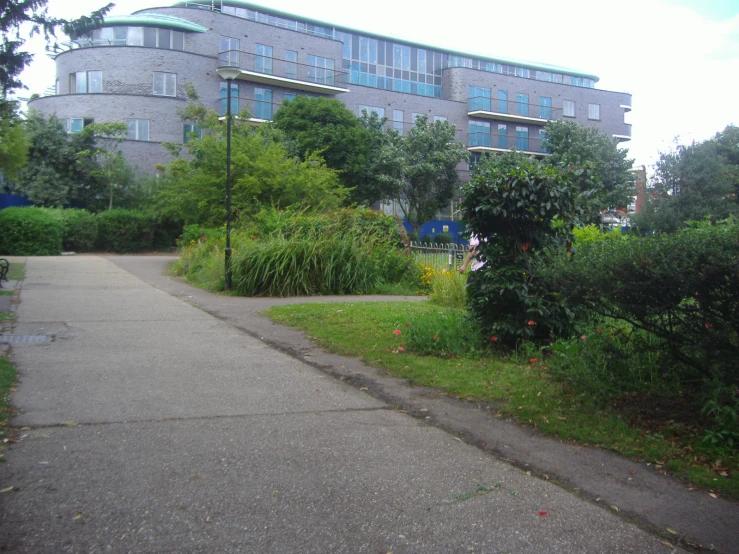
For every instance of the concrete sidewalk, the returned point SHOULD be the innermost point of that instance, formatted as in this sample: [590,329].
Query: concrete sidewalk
[149,425]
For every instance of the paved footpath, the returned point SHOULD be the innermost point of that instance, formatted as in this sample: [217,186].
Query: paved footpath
[150,425]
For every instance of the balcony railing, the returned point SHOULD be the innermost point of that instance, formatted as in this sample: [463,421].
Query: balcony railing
[260,68]
[511,110]
[492,142]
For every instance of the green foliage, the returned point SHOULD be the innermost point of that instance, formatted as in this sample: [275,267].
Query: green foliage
[682,289]
[520,209]
[30,232]
[22,13]
[292,252]
[124,231]
[352,146]
[423,163]
[693,183]
[724,432]
[442,238]
[114,171]
[13,140]
[61,169]
[608,181]
[590,233]
[80,229]
[262,174]
[449,289]
[446,333]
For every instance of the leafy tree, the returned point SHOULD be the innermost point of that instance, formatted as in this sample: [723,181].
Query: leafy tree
[350,145]
[694,182]
[13,141]
[606,182]
[17,14]
[61,170]
[263,173]
[424,163]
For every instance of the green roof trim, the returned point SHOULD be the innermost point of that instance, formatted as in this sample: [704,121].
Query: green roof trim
[508,61]
[153,20]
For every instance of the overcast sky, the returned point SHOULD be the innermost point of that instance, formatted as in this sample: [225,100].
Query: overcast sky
[678,58]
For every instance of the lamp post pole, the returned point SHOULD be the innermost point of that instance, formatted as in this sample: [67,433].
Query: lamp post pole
[228,73]
[229,274]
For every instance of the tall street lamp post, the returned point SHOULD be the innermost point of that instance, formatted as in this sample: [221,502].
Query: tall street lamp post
[228,74]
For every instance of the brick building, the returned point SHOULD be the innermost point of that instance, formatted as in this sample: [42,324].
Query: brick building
[134,69]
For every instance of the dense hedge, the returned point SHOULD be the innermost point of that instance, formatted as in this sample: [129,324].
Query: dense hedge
[125,231]
[80,229]
[30,232]
[681,288]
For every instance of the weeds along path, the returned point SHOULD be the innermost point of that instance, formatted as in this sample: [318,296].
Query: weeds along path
[633,490]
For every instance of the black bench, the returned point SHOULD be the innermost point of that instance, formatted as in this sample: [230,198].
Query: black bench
[4,267]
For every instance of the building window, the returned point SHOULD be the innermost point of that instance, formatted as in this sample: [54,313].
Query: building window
[223,103]
[545,107]
[75,125]
[522,104]
[568,108]
[479,133]
[398,121]
[502,135]
[479,99]
[86,82]
[369,109]
[229,51]
[263,104]
[291,65]
[440,118]
[290,96]
[502,101]
[191,131]
[542,138]
[263,59]
[522,138]
[594,111]
[138,129]
[165,84]
[523,72]
[321,70]
[151,37]
[415,116]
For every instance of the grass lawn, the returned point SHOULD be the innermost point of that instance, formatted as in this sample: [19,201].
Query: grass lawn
[522,388]
[16,272]
[7,382]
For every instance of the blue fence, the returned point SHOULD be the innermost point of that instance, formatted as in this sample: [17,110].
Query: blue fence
[12,201]
[428,231]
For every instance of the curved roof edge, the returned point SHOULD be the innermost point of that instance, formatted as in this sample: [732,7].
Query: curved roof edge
[154,20]
[508,61]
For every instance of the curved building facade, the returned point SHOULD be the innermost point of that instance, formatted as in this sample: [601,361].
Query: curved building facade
[135,69]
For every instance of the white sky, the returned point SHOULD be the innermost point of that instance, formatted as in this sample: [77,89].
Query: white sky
[678,58]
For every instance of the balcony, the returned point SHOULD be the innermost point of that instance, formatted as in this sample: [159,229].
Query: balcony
[484,107]
[481,142]
[267,70]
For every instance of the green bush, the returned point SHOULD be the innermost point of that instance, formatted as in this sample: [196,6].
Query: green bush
[682,288]
[307,265]
[520,210]
[166,231]
[445,333]
[442,238]
[80,228]
[123,231]
[30,232]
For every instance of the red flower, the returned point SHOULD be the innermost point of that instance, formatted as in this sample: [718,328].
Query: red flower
[583,337]
[543,513]
[533,360]
[709,325]
[254,237]
[436,337]
[599,330]
[396,332]
[401,349]
[493,339]
[407,324]
[532,322]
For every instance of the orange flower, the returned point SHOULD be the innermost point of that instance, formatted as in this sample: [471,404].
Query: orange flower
[396,332]
[599,330]
[407,324]
[493,339]
[533,360]
[401,349]
[532,322]
[436,337]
